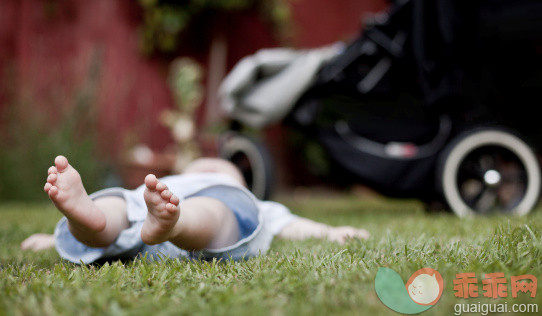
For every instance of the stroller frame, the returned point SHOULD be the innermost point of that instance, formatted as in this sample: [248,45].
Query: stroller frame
[466,148]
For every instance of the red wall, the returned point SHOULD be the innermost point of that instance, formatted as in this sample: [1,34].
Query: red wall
[320,22]
[53,52]
[62,50]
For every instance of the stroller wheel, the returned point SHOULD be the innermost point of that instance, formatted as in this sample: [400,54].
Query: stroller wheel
[254,161]
[489,170]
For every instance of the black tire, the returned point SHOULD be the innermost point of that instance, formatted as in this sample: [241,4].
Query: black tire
[489,170]
[254,161]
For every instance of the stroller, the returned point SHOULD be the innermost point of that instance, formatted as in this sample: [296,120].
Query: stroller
[431,101]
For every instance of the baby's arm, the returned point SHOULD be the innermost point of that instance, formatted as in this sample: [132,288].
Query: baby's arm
[303,228]
[38,242]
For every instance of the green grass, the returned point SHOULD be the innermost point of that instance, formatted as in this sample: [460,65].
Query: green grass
[294,278]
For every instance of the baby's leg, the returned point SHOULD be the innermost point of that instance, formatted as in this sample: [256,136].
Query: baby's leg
[303,228]
[199,222]
[94,223]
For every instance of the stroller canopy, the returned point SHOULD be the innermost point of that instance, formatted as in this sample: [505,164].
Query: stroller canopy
[262,88]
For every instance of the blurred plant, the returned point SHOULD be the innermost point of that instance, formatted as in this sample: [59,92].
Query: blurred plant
[165,20]
[185,83]
[30,140]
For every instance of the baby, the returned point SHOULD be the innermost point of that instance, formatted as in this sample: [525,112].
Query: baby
[205,212]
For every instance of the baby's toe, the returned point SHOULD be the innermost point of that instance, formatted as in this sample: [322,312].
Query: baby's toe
[151,181]
[53,191]
[160,186]
[174,200]
[52,170]
[52,178]
[61,163]
[171,208]
[166,195]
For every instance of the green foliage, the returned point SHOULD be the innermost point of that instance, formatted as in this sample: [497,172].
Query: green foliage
[165,20]
[294,278]
[185,80]
[30,148]
[34,135]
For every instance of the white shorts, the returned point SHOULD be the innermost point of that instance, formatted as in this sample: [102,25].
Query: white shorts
[258,222]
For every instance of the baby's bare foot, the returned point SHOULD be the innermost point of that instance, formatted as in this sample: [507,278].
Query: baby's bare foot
[65,189]
[163,212]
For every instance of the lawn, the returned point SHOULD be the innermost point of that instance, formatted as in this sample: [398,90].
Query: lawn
[294,278]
